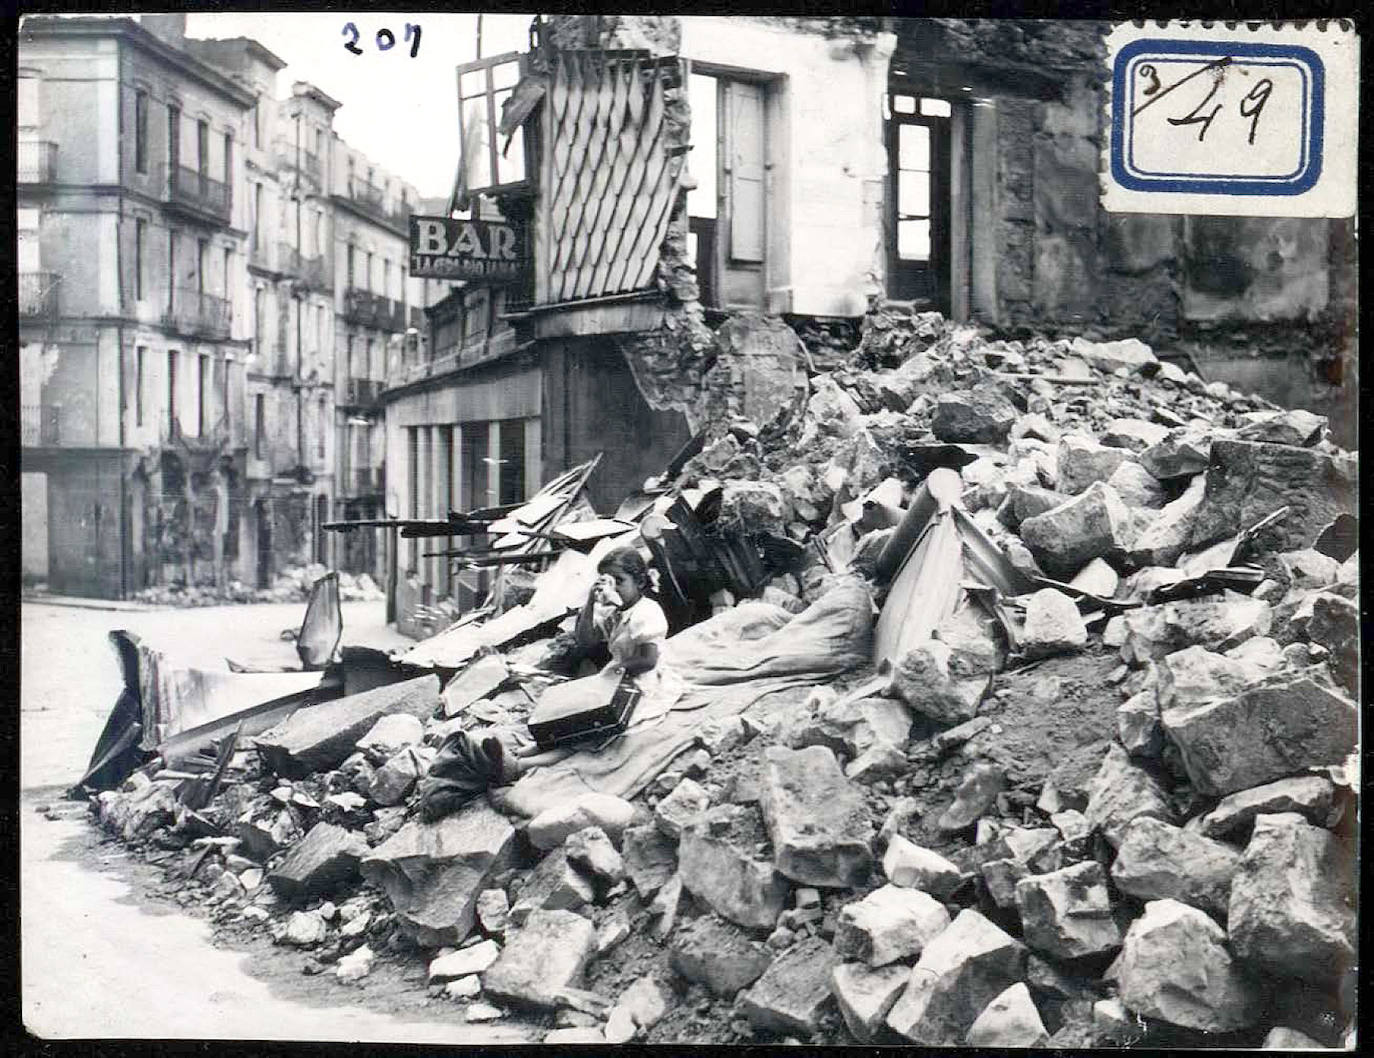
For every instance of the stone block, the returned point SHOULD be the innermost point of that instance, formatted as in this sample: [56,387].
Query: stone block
[1292,906]
[1216,622]
[391,734]
[320,737]
[1097,578]
[1081,461]
[913,867]
[1129,353]
[1195,673]
[730,881]
[1027,501]
[1285,1039]
[686,804]
[923,679]
[1183,453]
[433,872]
[889,924]
[717,954]
[1248,480]
[326,858]
[1309,795]
[1270,731]
[816,818]
[1120,792]
[546,955]
[493,911]
[590,851]
[976,795]
[1000,877]
[865,995]
[464,962]
[1166,536]
[650,858]
[1052,626]
[1010,1020]
[553,885]
[1296,426]
[958,974]
[1133,434]
[1066,913]
[551,827]
[392,783]
[1094,524]
[1157,861]
[1175,966]
[1137,487]
[1138,727]
[978,416]
[792,994]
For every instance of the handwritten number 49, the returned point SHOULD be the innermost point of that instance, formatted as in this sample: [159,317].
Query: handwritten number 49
[386,40]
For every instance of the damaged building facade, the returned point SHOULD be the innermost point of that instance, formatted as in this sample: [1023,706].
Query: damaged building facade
[210,281]
[672,174]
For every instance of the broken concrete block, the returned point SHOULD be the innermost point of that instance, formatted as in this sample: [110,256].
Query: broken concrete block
[922,678]
[816,818]
[882,760]
[321,737]
[553,885]
[754,506]
[727,878]
[978,416]
[1093,524]
[1296,426]
[1292,906]
[865,995]
[546,955]
[325,858]
[1027,501]
[1335,626]
[664,907]
[1000,877]
[1166,536]
[1215,622]
[1133,434]
[433,872]
[1175,966]
[393,781]
[1010,1020]
[550,827]
[1081,462]
[1066,913]
[1129,353]
[305,929]
[1183,453]
[1195,673]
[721,735]
[638,1009]
[951,738]
[682,808]
[718,955]
[913,867]
[1096,578]
[1053,625]
[1121,792]
[391,734]
[464,962]
[1283,1039]
[1157,861]
[1309,568]
[1247,480]
[1309,795]
[792,994]
[1113,1023]
[480,1012]
[1138,727]
[889,924]
[1137,487]
[354,966]
[493,911]
[650,858]
[1267,732]
[590,851]
[976,795]
[958,974]
[481,678]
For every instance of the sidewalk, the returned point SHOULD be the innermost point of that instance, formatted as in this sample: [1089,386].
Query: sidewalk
[118,605]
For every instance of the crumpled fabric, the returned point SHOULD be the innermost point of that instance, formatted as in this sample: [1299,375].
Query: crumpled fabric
[728,663]
[464,768]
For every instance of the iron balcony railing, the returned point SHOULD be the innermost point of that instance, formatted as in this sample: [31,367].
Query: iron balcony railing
[39,294]
[372,200]
[40,424]
[287,155]
[37,161]
[363,306]
[362,392]
[312,271]
[197,191]
[194,312]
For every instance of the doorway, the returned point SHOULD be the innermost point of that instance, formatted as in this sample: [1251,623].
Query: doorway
[262,514]
[918,201]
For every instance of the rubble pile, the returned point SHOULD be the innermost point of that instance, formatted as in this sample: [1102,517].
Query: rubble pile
[1116,808]
[291,585]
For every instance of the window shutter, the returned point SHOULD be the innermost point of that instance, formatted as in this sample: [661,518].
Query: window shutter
[744,158]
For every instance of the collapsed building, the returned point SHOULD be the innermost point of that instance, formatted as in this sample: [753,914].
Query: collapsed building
[667,174]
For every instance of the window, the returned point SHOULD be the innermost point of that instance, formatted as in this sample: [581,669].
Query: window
[141,131]
[386,277]
[229,158]
[319,143]
[228,268]
[489,160]
[918,207]
[140,256]
[255,119]
[351,264]
[257,216]
[259,424]
[173,137]
[171,270]
[259,320]
[323,427]
[171,390]
[202,147]
[512,466]
[202,248]
[367,275]
[29,116]
[140,367]
[203,388]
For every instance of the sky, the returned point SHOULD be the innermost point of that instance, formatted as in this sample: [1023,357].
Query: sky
[401,112]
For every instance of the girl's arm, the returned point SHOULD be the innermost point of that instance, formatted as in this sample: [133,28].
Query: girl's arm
[643,659]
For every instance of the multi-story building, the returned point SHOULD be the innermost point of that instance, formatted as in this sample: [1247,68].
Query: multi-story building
[134,335]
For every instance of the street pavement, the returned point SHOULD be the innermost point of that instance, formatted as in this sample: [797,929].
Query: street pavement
[95,963]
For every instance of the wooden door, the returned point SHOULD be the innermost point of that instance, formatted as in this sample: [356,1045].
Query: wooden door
[918,208]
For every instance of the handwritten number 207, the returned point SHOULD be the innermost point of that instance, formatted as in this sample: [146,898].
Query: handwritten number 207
[386,40]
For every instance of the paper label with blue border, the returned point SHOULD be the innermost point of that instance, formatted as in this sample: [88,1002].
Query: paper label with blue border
[1240,119]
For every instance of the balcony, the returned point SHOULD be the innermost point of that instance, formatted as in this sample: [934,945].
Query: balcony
[198,314]
[314,272]
[197,194]
[371,200]
[40,424]
[307,163]
[374,310]
[38,295]
[361,392]
[37,162]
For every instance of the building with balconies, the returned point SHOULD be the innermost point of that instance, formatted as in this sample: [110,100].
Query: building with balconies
[134,335]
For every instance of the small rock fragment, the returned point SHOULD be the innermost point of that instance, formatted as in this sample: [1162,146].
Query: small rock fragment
[1066,913]
[1010,1020]
[913,867]
[889,924]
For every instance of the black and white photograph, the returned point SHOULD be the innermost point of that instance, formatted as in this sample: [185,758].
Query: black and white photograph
[678,529]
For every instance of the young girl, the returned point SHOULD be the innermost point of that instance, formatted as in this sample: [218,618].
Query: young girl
[619,614]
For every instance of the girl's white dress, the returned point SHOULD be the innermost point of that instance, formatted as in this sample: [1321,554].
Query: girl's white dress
[624,631]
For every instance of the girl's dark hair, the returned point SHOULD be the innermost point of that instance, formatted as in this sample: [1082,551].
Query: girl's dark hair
[626,560]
